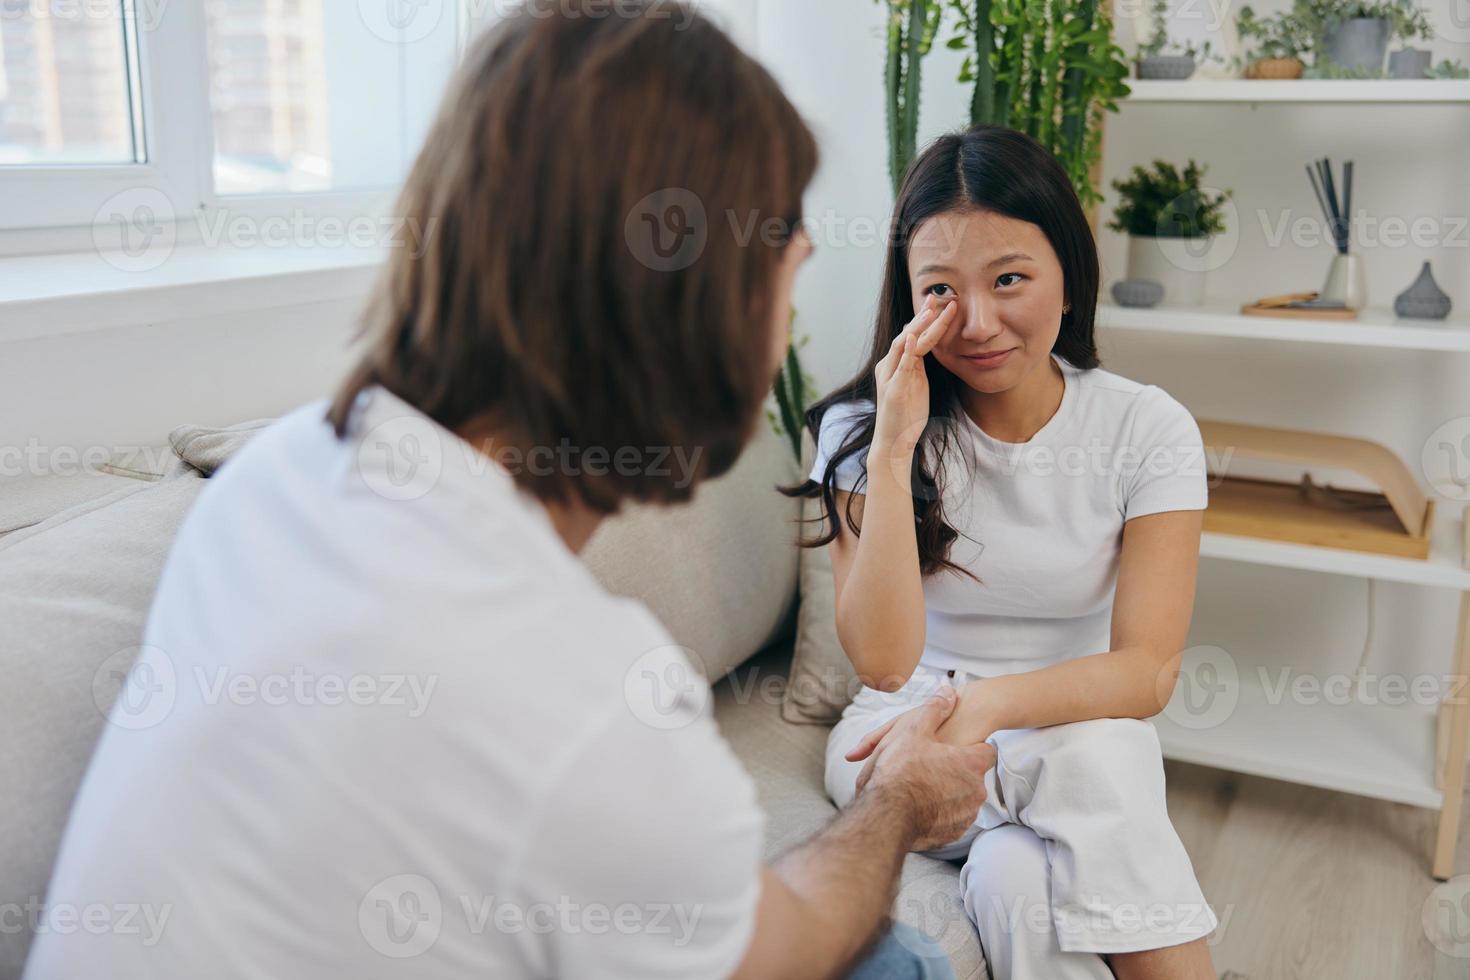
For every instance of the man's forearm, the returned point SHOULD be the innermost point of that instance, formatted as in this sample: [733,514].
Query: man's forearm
[847,875]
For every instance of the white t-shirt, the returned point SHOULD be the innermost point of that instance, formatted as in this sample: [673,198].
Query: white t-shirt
[386,724]
[1041,522]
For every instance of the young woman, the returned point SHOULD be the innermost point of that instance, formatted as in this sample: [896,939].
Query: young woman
[1009,519]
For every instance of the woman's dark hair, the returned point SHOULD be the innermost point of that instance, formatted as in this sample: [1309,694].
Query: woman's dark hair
[581,279]
[987,168]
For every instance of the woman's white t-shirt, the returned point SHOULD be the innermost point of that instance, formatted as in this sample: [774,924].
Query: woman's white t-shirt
[1040,523]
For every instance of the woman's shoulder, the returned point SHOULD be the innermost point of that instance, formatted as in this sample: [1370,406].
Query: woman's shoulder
[1114,398]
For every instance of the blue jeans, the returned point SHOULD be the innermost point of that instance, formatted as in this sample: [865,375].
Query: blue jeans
[904,953]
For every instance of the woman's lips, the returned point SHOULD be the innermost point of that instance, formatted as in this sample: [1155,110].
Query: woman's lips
[989,360]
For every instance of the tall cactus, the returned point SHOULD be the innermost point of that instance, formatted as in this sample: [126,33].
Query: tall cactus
[911,28]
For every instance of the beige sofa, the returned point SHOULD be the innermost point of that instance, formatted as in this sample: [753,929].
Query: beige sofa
[79,559]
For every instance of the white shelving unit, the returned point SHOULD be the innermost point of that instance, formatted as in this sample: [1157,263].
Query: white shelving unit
[1315,91]
[1373,328]
[1407,752]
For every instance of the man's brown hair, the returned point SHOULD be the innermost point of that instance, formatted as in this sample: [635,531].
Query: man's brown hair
[593,195]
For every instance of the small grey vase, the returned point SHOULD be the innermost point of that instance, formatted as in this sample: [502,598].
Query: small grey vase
[1423,300]
[1138,292]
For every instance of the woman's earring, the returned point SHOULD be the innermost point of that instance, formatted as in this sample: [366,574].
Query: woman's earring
[1067,308]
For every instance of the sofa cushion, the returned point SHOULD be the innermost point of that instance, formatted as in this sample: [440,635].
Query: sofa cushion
[823,681]
[718,572]
[787,761]
[74,594]
[26,501]
[206,449]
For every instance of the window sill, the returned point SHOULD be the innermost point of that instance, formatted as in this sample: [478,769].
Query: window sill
[51,295]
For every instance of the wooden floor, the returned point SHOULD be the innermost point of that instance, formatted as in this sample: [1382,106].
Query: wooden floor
[1313,884]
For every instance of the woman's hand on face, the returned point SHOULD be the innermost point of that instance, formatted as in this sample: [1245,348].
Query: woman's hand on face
[902,386]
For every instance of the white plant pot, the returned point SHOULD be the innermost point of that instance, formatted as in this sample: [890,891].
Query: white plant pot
[1177,264]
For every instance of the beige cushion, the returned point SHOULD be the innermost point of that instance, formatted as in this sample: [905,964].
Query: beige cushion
[786,762]
[26,501]
[822,679]
[74,594]
[206,449]
[719,572]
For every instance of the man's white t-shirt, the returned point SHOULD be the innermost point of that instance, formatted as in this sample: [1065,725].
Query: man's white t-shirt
[1040,523]
[386,724]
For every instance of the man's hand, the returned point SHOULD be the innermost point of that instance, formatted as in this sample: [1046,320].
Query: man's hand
[945,784]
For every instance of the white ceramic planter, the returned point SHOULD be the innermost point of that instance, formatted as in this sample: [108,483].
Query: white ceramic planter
[1177,264]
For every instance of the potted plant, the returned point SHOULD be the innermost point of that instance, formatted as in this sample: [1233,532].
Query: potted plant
[1354,34]
[1170,220]
[1162,58]
[1280,41]
[1410,62]
[1448,69]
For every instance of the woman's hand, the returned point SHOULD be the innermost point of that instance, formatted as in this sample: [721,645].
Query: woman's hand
[902,386]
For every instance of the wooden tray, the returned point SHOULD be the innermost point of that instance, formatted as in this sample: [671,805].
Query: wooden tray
[1396,522]
[1297,313]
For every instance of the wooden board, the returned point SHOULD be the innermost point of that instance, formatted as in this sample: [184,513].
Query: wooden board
[1281,512]
[1294,313]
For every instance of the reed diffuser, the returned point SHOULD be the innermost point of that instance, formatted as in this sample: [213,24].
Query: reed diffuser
[1346,282]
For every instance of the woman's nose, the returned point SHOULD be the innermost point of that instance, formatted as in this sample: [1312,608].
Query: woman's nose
[980,322]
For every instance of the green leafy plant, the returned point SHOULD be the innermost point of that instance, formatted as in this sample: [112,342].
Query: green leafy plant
[1164,203]
[1159,42]
[1046,67]
[1448,69]
[794,388]
[1407,20]
[1282,35]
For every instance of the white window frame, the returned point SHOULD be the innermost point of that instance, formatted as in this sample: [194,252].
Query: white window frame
[61,208]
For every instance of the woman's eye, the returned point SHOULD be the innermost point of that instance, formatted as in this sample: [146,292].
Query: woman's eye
[1009,275]
[935,290]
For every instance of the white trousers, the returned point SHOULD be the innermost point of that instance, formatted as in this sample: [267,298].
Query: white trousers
[1072,855]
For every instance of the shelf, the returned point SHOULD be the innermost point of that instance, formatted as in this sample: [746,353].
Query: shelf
[1313,90]
[1443,568]
[1374,327]
[1385,751]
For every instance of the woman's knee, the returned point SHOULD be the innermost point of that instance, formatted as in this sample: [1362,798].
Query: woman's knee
[1117,762]
[1006,882]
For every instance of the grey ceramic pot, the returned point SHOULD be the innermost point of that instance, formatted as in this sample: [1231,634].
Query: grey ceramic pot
[1170,66]
[1137,292]
[1408,63]
[1359,44]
